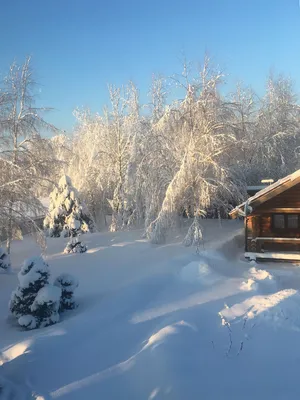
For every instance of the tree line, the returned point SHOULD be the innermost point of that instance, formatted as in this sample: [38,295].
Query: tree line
[146,165]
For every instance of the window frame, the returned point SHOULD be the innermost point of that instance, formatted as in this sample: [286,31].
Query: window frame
[286,218]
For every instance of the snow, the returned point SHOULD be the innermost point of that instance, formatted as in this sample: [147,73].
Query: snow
[39,267]
[27,321]
[276,308]
[9,391]
[159,322]
[273,256]
[199,272]
[260,274]
[248,285]
[67,282]
[64,181]
[48,294]
[73,223]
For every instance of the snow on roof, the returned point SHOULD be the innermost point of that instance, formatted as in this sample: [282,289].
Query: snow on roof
[268,189]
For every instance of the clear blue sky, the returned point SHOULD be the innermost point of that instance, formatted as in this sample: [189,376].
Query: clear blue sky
[78,46]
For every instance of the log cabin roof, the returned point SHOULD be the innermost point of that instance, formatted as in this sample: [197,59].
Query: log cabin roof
[267,193]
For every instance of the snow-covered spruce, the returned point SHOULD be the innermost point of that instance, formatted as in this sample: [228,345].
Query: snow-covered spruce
[34,275]
[73,226]
[64,201]
[75,246]
[4,260]
[44,309]
[68,284]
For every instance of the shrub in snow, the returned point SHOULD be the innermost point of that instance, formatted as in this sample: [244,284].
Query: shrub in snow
[34,275]
[44,309]
[64,201]
[4,260]
[67,283]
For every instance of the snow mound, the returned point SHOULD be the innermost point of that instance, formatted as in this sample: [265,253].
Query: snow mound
[28,322]
[248,285]
[280,308]
[254,276]
[161,336]
[199,272]
[260,274]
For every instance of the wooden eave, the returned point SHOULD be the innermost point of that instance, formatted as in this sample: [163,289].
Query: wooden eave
[267,194]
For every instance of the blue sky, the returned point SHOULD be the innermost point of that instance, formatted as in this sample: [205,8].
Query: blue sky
[79,46]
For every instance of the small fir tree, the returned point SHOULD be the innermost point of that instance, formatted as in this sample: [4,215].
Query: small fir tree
[44,309]
[64,201]
[73,226]
[34,275]
[35,302]
[67,283]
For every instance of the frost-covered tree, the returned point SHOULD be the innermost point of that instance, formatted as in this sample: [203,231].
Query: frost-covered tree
[90,166]
[33,276]
[66,212]
[68,284]
[25,159]
[198,138]
[194,237]
[122,135]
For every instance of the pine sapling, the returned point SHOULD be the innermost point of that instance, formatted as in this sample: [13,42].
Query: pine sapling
[67,283]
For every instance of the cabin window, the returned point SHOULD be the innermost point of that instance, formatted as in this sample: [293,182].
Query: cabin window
[292,221]
[278,221]
[285,221]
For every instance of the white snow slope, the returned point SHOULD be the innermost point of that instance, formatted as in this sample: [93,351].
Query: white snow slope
[159,322]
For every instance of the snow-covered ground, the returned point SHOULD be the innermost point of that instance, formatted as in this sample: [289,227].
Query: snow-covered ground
[160,322]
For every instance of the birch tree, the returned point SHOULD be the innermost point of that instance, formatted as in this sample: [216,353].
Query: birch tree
[202,139]
[24,159]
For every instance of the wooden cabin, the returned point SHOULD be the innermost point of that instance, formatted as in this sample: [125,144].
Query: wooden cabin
[272,220]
